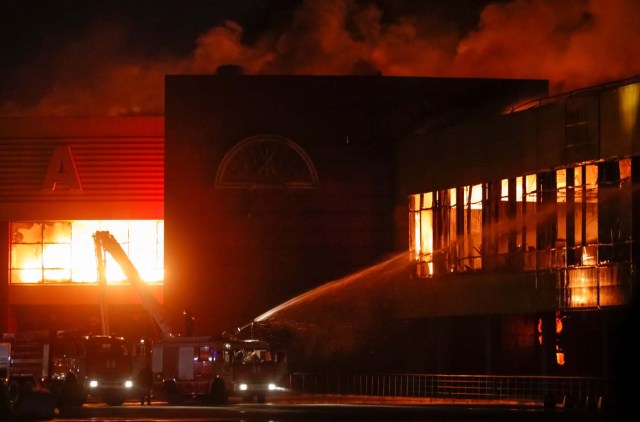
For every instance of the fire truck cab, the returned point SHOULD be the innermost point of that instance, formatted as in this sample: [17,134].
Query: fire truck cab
[214,369]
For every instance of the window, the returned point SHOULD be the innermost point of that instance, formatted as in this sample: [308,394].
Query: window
[446,230]
[575,222]
[559,219]
[54,252]
[471,258]
[421,227]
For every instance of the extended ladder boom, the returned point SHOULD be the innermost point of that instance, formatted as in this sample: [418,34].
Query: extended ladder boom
[106,242]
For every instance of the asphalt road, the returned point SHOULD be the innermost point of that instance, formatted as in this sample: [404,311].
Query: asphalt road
[323,408]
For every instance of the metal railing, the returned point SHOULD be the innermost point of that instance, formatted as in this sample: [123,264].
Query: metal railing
[536,389]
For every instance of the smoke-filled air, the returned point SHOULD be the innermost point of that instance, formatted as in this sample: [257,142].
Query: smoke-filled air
[328,325]
[571,43]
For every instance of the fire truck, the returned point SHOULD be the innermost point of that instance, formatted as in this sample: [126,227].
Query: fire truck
[72,366]
[213,369]
[205,367]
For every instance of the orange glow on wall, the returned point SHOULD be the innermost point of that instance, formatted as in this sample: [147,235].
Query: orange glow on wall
[539,329]
[560,356]
[559,325]
[54,252]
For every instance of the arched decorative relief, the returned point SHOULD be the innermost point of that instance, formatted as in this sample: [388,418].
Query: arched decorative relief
[267,161]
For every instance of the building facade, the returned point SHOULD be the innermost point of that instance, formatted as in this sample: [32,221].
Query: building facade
[276,185]
[62,180]
[536,212]
[511,230]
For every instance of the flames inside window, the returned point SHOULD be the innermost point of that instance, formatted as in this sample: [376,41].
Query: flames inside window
[55,252]
[576,220]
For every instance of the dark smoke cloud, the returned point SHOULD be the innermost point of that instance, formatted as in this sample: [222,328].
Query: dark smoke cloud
[572,43]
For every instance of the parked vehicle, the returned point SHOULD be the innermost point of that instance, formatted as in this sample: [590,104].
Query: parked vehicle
[213,369]
[73,367]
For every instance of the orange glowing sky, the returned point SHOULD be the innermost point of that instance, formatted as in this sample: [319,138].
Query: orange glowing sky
[572,43]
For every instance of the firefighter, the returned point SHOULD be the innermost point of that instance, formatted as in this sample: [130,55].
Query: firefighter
[145,383]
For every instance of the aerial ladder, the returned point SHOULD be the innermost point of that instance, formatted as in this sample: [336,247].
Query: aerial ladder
[106,242]
[194,366]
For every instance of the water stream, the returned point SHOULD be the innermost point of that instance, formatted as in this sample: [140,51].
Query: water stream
[334,322]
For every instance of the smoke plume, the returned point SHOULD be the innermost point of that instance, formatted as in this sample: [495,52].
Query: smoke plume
[571,43]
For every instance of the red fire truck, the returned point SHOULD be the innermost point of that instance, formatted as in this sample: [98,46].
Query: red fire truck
[199,367]
[73,367]
[213,369]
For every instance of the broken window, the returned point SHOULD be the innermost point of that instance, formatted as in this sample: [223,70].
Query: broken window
[64,251]
[575,220]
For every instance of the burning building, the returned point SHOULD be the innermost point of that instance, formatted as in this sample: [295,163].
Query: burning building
[513,224]
[532,214]
[521,242]
[63,179]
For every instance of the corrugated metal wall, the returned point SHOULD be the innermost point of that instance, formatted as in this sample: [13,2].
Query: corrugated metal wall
[119,165]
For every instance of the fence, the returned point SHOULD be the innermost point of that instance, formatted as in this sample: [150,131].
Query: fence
[579,390]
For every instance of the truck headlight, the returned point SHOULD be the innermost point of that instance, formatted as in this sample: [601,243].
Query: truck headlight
[243,387]
[93,383]
[128,384]
[272,387]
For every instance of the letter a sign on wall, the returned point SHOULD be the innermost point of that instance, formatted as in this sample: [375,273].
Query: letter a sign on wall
[62,173]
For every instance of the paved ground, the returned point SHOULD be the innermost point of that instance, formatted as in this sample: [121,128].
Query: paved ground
[304,407]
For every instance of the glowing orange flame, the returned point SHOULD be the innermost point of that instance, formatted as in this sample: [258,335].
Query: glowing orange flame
[63,258]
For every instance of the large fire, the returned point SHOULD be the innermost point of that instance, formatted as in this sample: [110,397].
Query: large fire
[571,43]
[59,252]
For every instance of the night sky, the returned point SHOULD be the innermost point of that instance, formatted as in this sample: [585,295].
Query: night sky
[79,57]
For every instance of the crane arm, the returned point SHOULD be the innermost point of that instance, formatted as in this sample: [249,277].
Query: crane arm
[106,242]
